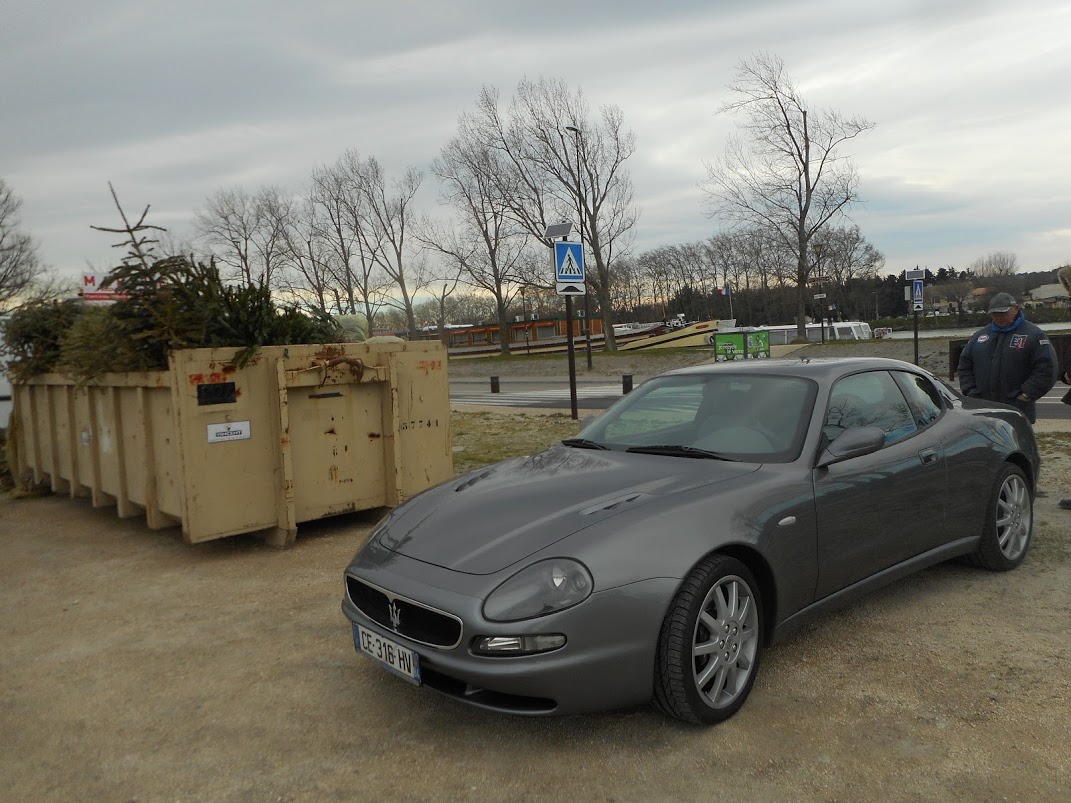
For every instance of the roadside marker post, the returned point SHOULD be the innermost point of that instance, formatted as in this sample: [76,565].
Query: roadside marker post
[917,278]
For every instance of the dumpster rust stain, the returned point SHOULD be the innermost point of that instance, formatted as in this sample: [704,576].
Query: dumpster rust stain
[333,476]
[328,352]
[217,372]
[208,379]
[427,366]
[375,435]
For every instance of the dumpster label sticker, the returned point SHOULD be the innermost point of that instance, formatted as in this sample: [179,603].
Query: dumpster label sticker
[232,431]
[430,423]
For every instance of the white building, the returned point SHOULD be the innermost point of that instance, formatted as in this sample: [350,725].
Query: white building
[1048,295]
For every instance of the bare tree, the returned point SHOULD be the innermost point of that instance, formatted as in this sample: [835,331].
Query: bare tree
[305,275]
[786,171]
[247,232]
[558,160]
[139,240]
[959,293]
[448,277]
[487,247]
[631,287]
[389,217]
[847,258]
[350,241]
[996,263]
[470,307]
[20,265]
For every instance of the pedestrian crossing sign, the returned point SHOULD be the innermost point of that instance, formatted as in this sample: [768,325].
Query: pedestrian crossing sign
[569,262]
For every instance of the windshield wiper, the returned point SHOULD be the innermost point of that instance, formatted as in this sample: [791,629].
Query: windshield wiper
[682,451]
[582,443]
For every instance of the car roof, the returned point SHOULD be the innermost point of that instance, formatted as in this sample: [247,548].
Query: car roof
[819,369]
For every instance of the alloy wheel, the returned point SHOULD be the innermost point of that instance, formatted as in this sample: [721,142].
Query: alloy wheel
[726,642]
[1014,516]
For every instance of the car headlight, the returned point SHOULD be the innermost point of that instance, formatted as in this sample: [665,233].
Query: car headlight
[542,588]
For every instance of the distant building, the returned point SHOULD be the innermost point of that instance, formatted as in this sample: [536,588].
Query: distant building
[1048,295]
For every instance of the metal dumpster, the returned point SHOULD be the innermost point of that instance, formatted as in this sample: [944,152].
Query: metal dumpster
[300,433]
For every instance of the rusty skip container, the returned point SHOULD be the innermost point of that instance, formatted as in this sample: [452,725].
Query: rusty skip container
[300,433]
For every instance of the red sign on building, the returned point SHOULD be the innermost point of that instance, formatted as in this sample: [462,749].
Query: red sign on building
[91,289]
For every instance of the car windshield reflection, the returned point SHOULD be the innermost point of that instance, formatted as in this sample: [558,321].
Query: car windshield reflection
[747,417]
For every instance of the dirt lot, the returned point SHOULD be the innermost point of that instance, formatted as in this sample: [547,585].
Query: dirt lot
[136,668]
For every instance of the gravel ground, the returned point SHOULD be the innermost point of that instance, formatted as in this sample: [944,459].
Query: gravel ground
[137,668]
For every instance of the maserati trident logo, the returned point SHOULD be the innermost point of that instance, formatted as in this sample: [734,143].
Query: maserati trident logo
[395,615]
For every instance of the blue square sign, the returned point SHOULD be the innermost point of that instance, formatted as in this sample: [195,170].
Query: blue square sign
[569,262]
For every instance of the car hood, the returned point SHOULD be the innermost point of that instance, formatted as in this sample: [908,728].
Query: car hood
[492,518]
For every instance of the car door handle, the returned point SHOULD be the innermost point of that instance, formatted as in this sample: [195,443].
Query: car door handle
[928,456]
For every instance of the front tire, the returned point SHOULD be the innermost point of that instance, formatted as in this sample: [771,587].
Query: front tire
[1009,523]
[710,644]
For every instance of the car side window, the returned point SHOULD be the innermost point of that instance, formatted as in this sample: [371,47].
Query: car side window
[869,399]
[922,397]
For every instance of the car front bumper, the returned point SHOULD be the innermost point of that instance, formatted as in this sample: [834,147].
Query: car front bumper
[607,661]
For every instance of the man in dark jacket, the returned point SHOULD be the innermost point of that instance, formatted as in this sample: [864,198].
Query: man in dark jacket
[1010,361]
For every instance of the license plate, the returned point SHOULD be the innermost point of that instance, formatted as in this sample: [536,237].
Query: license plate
[388,653]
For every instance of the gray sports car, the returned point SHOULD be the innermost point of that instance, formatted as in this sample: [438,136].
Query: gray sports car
[697,521]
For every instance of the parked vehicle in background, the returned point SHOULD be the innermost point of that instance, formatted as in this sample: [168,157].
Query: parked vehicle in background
[838,330]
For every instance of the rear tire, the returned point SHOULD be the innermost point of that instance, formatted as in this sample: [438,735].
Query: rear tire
[710,644]
[1009,523]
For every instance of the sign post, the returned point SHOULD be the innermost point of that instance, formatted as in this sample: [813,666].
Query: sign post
[569,278]
[917,278]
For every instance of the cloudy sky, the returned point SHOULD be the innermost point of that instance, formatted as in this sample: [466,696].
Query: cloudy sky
[171,101]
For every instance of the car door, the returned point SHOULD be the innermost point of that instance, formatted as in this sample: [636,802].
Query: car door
[869,507]
[963,512]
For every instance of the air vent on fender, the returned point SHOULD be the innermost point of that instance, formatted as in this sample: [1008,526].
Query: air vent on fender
[614,504]
[473,480]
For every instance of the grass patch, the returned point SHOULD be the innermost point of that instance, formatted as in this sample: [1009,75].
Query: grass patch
[484,438]
[1054,444]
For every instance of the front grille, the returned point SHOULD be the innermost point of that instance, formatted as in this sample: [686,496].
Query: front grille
[414,621]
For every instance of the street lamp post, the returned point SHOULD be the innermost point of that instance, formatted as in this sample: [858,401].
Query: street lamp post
[577,137]
[821,301]
[527,333]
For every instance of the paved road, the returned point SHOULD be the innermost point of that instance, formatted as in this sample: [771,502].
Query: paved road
[532,393]
[600,394]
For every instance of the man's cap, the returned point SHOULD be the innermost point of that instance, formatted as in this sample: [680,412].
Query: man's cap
[1002,302]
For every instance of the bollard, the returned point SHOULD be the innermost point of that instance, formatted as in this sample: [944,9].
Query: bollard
[494,384]
[626,384]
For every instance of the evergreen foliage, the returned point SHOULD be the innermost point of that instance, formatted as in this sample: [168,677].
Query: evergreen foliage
[33,334]
[172,303]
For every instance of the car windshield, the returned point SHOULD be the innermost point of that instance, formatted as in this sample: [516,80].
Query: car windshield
[738,416]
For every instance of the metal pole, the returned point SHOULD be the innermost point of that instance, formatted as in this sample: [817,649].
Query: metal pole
[587,325]
[572,357]
[580,219]
[527,329]
[821,305]
[916,313]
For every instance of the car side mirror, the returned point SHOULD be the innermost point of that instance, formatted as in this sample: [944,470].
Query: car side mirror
[853,442]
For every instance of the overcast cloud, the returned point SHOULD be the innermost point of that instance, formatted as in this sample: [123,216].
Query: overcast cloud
[172,101]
